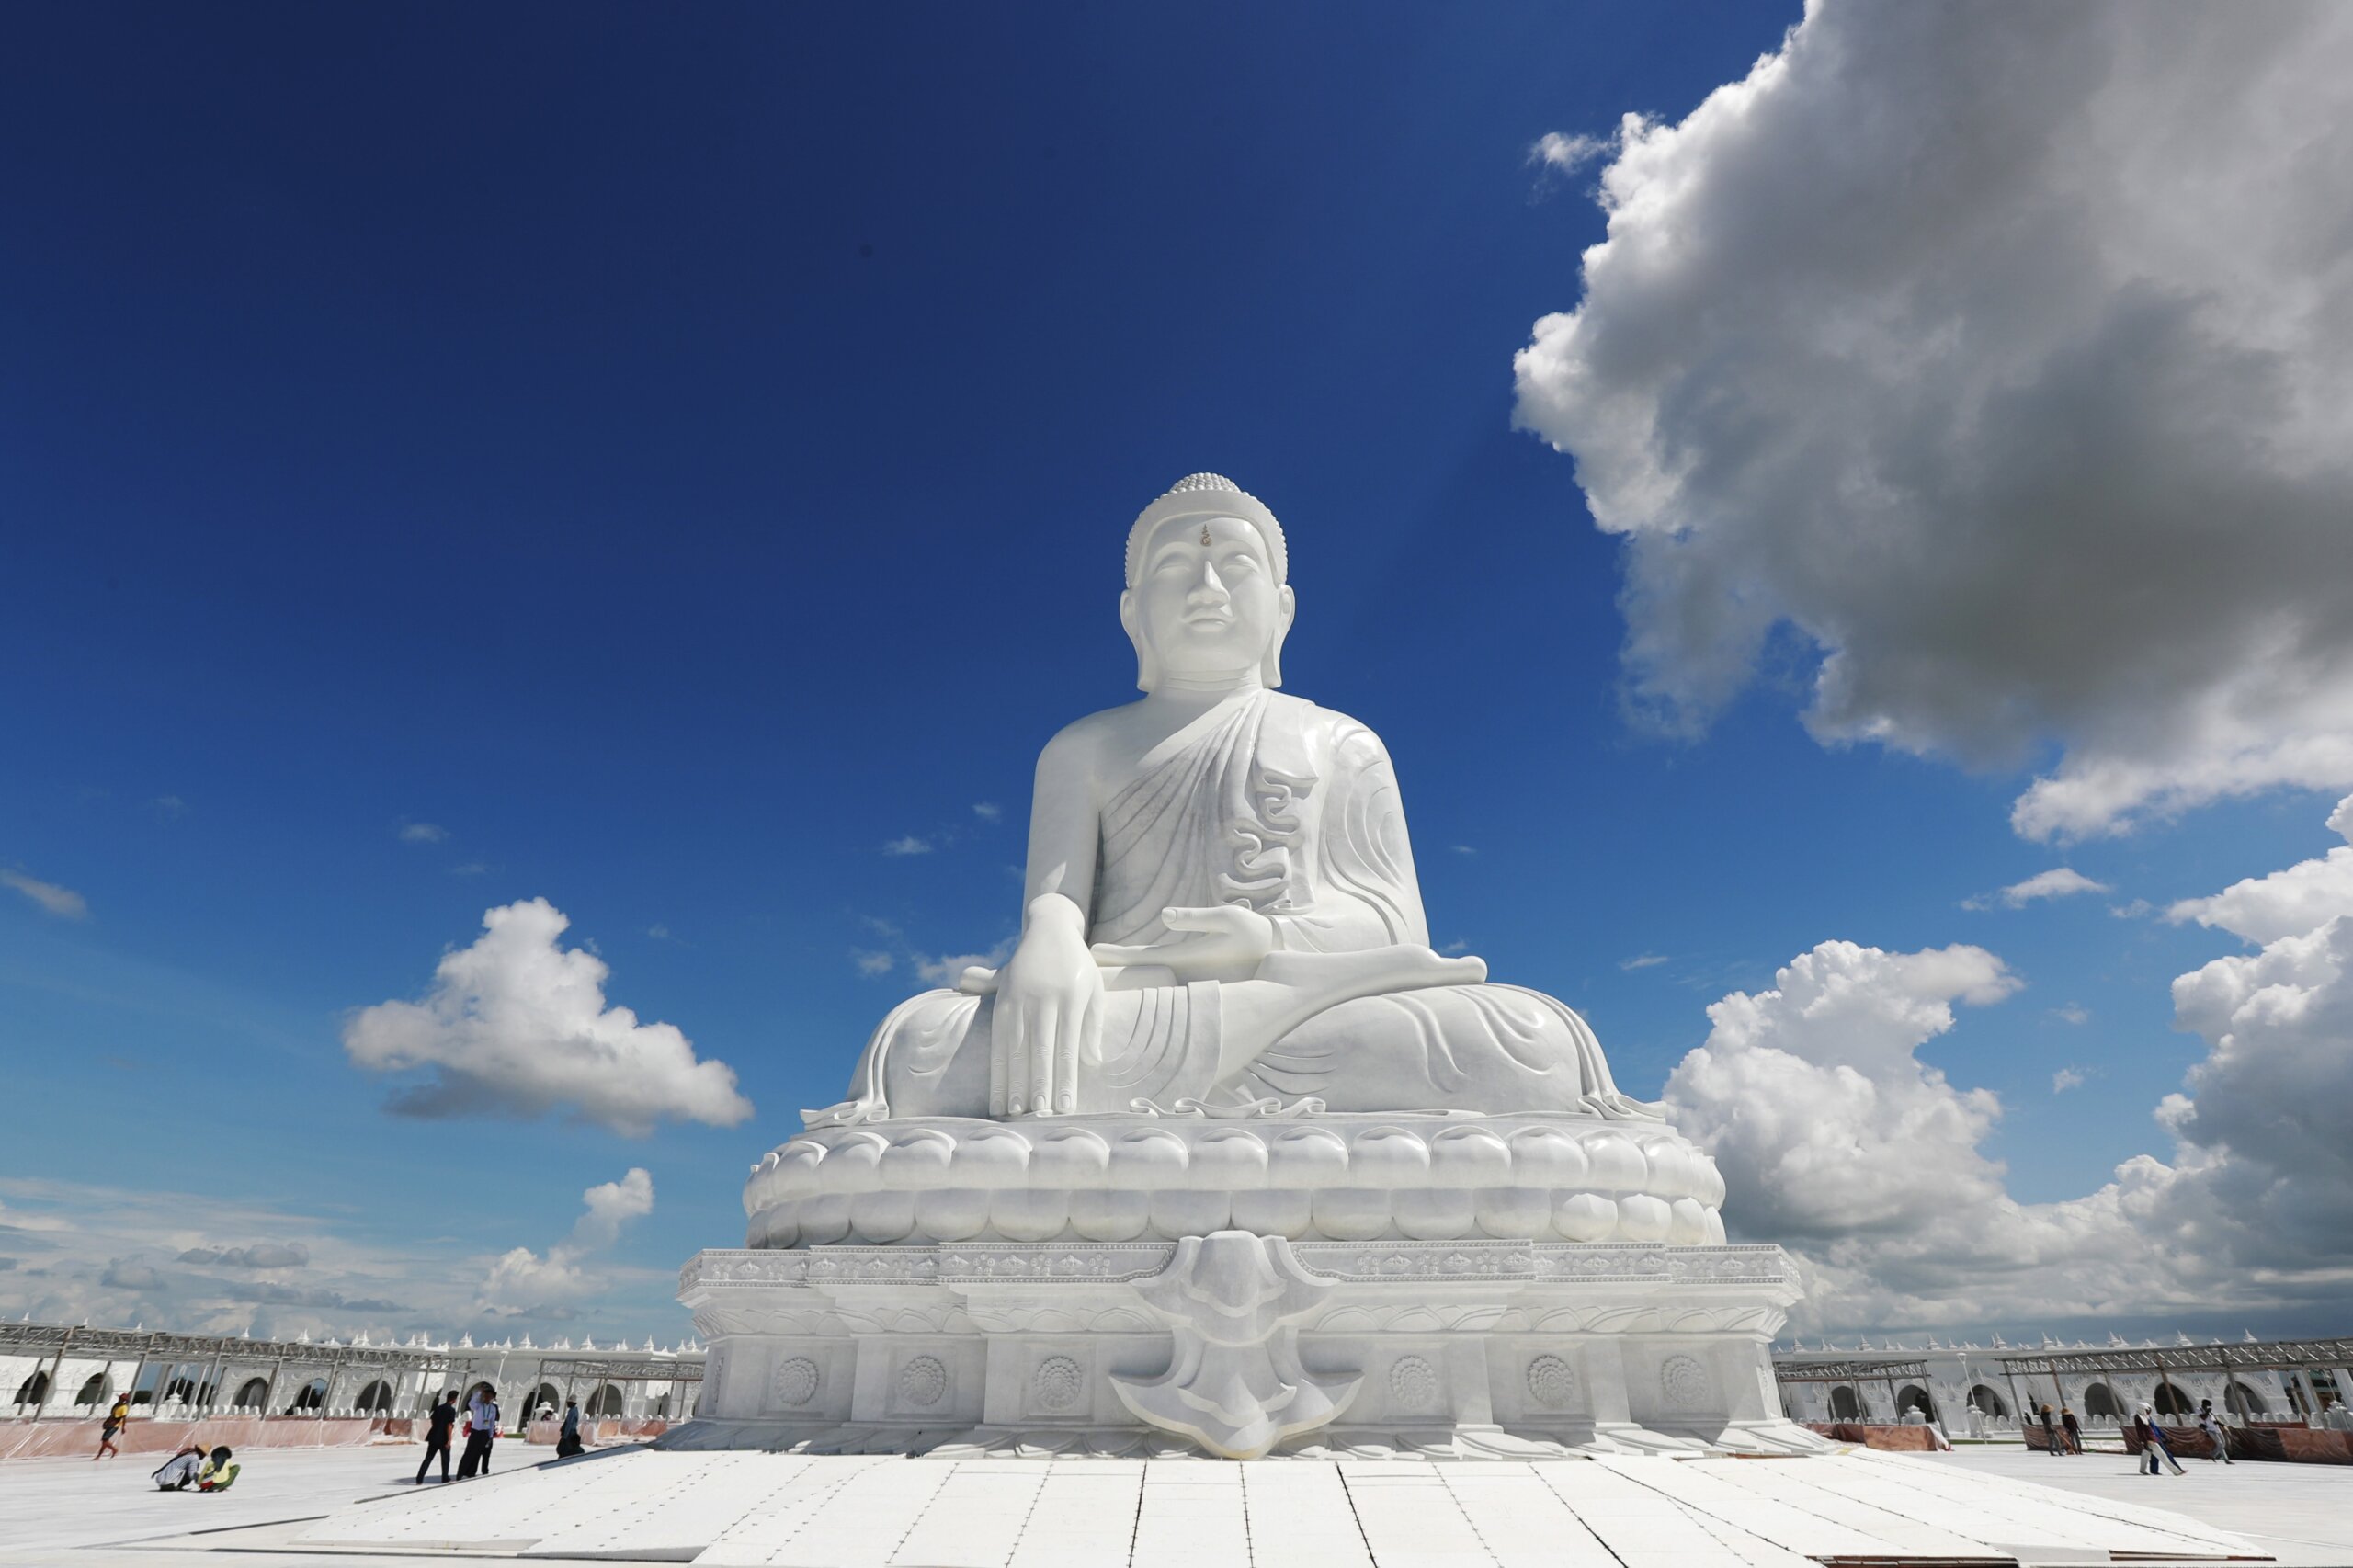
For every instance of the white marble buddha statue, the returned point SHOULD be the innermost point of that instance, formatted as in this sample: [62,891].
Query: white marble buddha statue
[1220,905]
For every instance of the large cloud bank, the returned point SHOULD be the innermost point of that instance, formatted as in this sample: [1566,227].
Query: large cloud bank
[516,1025]
[1837,1138]
[2007,355]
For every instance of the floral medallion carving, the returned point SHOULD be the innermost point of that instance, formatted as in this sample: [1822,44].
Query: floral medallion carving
[1057,1383]
[795,1382]
[1684,1383]
[1551,1382]
[922,1381]
[1413,1385]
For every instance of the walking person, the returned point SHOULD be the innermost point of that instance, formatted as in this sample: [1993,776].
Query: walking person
[481,1427]
[2216,1435]
[567,1442]
[2051,1442]
[436,1435]
[2153,1440]
[2074,1429]
[117,1419]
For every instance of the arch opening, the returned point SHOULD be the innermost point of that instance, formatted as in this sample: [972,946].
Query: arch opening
[606,1400]
[2100,1400]
[1987,1402]
[1844,1405]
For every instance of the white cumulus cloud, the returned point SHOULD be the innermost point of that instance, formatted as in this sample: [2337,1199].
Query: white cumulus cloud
[523,1283]
[2060,882]
[423,833]
[2001,355]
[2285,903]
[517,1025]
[1834,1135]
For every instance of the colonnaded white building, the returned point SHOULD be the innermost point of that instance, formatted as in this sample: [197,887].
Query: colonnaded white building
[1970,1387]
[53,1371]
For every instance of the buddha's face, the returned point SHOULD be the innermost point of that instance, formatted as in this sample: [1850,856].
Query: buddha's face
[1206,605]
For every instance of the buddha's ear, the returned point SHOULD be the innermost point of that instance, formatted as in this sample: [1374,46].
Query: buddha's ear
[1147,672]
[1270,668]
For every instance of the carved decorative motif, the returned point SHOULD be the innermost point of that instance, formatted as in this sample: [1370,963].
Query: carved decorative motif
[1413,1385]
[1551,1382]
[922,1381]
[1684,1383]
[795,1380]
[1057,1383]
[1514,1176]
[1235,1384]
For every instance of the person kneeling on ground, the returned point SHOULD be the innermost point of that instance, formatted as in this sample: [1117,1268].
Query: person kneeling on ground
[193,1467]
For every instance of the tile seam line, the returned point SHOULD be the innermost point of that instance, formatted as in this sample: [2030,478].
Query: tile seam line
[1599,1540]
[1793,1506]
[1911,1494]
[1355,1513]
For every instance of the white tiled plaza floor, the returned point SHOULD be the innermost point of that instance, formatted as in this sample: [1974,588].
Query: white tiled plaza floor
[731,1509]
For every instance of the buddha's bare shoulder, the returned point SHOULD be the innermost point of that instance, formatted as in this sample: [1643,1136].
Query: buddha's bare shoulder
[1082,745]
[1333,733]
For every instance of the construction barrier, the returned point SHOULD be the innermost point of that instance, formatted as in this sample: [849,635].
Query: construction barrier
[2278,1443]
[1913,1439]
[597,1433]
[79,1439]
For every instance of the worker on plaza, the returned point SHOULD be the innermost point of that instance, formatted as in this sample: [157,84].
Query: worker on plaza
[2074,1428]
[436,1435]
[2053,1443]
[481,1427]
[118,1420]
[568,1443]
[2218,1439]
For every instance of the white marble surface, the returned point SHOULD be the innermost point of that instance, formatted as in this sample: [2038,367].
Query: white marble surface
[71,1514]
[858,1512]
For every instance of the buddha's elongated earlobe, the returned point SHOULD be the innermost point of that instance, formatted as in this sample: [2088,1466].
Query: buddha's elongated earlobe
[1270,668]
[1147,669]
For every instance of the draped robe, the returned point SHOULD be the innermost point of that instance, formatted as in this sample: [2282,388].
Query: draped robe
[1293,810]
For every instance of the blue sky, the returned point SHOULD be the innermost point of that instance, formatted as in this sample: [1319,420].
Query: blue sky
[654,461]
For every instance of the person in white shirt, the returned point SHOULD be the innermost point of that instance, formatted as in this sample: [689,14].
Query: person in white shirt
[481,1427]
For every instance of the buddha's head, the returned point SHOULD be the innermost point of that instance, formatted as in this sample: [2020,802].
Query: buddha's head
[1206,600]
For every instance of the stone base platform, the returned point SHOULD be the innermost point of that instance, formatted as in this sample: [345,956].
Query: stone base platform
[809,1511]
[1240,1344]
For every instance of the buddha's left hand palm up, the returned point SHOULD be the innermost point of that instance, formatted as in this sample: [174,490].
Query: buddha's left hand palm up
[1224,941]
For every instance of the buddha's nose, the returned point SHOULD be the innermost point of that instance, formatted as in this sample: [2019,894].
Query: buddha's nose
[1211,588]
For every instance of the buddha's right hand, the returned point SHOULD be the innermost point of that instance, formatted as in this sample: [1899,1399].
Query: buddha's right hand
[1048,1018]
